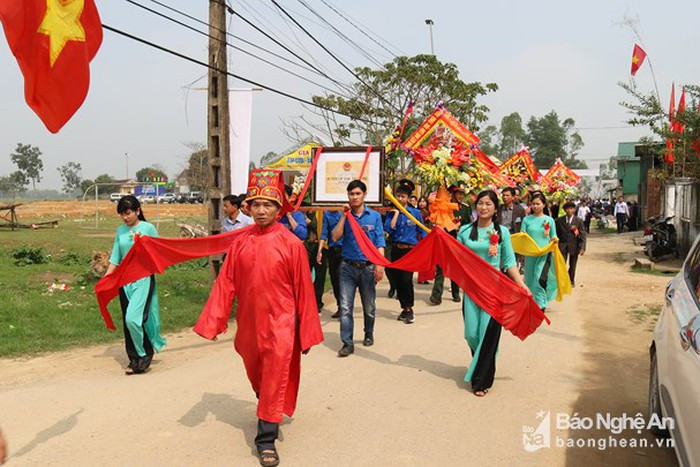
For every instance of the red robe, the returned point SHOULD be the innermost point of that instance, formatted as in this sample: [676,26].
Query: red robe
[268,271]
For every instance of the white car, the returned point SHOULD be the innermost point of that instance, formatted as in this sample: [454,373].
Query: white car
[114,197]
[674,380]
[147,199]
[166,198]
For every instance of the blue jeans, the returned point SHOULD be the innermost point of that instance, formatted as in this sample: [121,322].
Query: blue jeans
[351,278]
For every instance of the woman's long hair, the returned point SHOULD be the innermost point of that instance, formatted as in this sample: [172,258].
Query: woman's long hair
[474,234]
[130,202]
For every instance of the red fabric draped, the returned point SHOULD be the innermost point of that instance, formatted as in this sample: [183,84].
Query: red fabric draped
[498,295]
[150,255]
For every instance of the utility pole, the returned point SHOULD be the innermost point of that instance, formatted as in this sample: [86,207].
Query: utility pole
[218,138]
[126,154]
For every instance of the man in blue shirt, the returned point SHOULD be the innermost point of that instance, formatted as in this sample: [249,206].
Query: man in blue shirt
[295,221]
[332,255]
[404,234]
[355,270]
[234,218]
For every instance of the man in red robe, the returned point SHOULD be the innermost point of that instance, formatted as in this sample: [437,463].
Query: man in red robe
[267,269]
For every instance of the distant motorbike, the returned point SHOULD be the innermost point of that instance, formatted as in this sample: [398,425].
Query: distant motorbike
[599,215]
[660,237]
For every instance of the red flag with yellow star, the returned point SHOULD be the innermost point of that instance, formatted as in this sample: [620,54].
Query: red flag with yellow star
[638,56]
[53,42]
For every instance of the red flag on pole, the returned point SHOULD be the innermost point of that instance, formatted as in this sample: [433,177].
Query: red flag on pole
[671,114]
[678,126]
[638,56]
[53,42]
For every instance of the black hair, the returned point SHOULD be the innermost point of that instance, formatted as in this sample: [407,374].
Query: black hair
[405,189]
[357,184]
[474,234]
[427,201]
[569,204]
[288,190]
[509,189]
[538,194]
[235,200]
[130,202]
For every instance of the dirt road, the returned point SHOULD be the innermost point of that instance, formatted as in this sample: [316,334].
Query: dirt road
[401,402]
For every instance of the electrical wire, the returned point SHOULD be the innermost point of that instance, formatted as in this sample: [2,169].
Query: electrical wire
[187,26]
[274,2]
[249,81]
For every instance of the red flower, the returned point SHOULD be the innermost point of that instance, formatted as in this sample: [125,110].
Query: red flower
[493,243]
[574,229]
[546,228]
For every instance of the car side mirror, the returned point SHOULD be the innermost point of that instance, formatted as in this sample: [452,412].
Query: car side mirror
[690,334]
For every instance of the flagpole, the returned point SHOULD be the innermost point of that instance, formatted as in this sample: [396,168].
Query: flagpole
[632,26]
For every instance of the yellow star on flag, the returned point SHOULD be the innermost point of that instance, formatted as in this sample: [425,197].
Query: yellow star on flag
[62,24]
[635,59]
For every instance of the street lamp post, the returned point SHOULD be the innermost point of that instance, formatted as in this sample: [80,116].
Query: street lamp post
[430,23]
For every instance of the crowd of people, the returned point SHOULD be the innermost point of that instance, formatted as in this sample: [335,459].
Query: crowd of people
[276,269]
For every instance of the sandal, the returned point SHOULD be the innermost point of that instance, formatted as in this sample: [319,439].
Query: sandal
[129,370]
[268,457]
[480,392]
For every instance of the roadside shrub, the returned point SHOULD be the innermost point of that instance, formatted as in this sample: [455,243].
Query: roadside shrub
[71,258]
[27,255]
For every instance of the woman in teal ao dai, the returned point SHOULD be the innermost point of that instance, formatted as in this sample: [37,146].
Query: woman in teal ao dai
[138,300]
[540,276]
[491,242]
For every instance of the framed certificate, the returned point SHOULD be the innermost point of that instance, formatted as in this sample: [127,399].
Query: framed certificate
[337,167]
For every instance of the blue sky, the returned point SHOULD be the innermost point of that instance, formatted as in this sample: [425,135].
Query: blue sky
[544,55]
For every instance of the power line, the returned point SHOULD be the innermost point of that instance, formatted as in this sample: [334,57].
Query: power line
[260,30]
[197,20]
[340,34]
[254,83]
[336,10]
[274,2]
[187,26]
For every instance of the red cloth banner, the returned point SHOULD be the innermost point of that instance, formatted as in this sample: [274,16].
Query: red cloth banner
[509,304]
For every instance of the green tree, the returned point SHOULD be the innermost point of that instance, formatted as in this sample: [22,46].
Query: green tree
[549,138]
[489,140]
[512,135]
[70,174]
[197,170]
[85,184]
[609,171]
[646,110]
[377,103]
[147,172]
[27,158]
[105,183]
[14,183]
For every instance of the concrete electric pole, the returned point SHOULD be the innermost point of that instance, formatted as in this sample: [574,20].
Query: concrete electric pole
[430,24]
[218,141]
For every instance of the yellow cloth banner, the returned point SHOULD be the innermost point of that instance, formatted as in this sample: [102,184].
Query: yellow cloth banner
[524,245]
[395,202]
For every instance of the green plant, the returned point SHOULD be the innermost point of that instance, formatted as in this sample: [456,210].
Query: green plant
[71,258]
[26,255]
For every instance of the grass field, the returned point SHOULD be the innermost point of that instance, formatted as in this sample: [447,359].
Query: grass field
[33,320]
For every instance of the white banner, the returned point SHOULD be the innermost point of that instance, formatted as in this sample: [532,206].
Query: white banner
[241,109]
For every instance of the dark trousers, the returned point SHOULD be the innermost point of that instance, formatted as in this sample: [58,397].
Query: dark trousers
[334,260]
[137,362]
[485,369]
[573,260]
[587,224]
[390,273]
[320,271]
[268,433]
[439,285]
[403,279]
[621,219]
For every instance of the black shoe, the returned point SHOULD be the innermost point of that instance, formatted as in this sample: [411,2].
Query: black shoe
[391,293]
[346,350]
[409,317]
[336,315]
[456,299]
[369,339]
[435,300]
[402,316]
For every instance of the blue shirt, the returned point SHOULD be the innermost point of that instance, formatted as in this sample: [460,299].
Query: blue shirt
[406,231]
[371,223]
[330,220]
[301,231]
[227,225]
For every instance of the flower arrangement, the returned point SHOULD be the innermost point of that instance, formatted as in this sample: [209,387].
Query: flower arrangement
[559,191]
[493,243]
